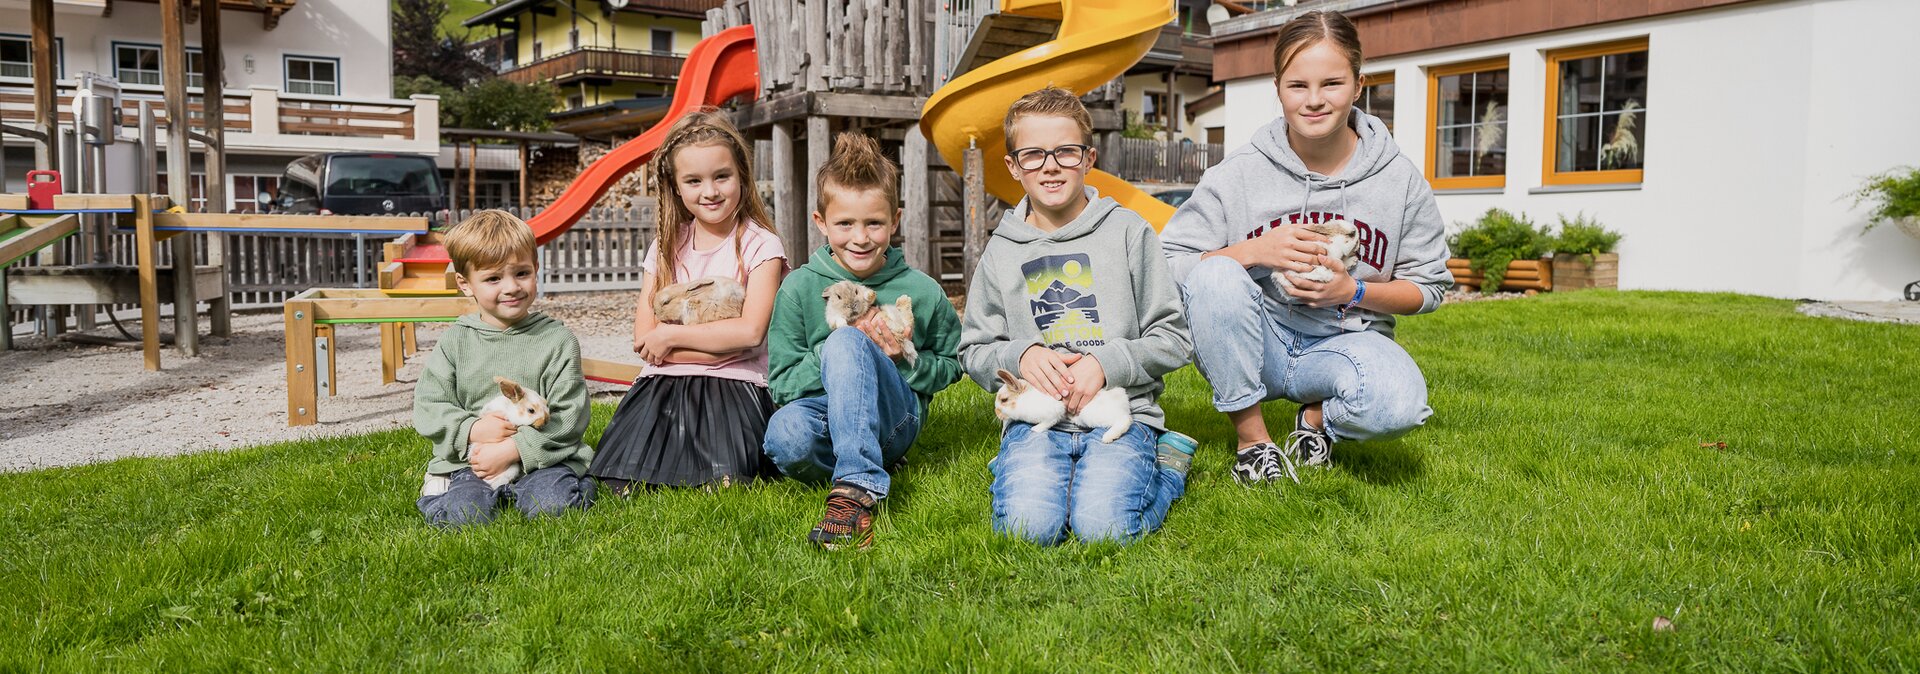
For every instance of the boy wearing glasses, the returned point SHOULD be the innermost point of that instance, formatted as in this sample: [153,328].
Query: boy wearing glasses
[1073,294]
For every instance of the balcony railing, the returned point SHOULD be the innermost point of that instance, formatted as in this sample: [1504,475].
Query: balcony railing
[263,118]
[686,8]
[585,62]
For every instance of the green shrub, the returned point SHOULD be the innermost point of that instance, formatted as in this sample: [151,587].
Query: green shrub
[1583,236]
[1498,238]
[1894,194]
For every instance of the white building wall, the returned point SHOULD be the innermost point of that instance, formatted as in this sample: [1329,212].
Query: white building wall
[1760,117]
[357,32]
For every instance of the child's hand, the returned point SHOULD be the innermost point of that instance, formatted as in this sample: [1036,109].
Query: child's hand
[488,459]
[654,346]
[1334,293]
[491,428]
[1288,249]
[1047,370]
[1088,379]
[881,335]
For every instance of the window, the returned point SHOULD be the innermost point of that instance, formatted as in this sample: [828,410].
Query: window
[196,191]
[136,63]
[245,190]
[1596,114]
[1468,105]
[16,56]
[1156,109]
[1376,98]
[140,64]
[309,75]
[662,41]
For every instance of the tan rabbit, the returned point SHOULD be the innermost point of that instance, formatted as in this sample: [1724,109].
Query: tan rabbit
[703,300]
[847,302]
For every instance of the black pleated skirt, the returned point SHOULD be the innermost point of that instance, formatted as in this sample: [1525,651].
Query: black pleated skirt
[685,431]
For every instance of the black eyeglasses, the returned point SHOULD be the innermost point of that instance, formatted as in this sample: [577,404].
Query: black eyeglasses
[1067,156]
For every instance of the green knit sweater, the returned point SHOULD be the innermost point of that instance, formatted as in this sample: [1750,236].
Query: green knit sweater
[800,326]
[538,352]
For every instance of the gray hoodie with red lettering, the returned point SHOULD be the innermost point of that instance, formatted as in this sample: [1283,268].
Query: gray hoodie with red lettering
[1264,186]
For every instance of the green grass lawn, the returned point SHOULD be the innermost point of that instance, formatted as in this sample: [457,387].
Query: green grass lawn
[1558,501]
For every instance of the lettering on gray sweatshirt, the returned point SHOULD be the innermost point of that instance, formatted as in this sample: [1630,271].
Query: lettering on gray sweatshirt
[1264,186]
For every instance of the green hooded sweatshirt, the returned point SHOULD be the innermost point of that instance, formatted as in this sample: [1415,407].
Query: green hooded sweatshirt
[800,326]
[538,352]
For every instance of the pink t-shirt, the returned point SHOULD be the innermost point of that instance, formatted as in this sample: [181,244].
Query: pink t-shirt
[757,246]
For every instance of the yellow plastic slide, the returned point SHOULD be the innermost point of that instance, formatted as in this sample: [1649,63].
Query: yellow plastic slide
[1098,40]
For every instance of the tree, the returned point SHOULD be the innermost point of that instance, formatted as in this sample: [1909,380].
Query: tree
[503,105]
[419,48]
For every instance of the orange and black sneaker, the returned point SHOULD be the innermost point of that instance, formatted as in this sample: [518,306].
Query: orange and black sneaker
[849,519]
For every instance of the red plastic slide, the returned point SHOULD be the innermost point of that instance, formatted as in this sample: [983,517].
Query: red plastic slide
[720,68]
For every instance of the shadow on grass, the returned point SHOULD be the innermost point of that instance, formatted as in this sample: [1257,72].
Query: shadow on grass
[1386,462]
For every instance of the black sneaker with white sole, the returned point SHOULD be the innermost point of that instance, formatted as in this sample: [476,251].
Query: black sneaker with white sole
[1308,445]
[1263,462]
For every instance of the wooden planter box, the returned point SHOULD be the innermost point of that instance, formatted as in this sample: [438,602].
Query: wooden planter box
[1528,276]
[1572,272]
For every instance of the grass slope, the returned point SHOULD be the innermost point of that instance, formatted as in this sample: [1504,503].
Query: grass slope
[1556,504]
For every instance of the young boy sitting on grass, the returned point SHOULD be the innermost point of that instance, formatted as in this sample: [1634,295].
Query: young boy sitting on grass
[1074,295]
[852,399]
[494,262]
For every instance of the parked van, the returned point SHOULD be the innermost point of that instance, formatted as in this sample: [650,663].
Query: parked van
[358,183]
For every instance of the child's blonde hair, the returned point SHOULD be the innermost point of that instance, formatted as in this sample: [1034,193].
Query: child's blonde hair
[1051,101]
[708,126]
[488,239]
[857,163]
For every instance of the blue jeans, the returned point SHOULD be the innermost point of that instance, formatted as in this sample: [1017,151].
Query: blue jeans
[866,421]
[469,500]
[1368,387]
[1047,483]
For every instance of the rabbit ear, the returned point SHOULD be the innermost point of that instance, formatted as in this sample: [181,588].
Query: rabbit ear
[510,389]
[904,302]
[1008,377]
[702,283]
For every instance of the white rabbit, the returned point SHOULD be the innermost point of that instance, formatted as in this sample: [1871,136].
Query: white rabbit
[1343,244]
[1019,401]
[520,406]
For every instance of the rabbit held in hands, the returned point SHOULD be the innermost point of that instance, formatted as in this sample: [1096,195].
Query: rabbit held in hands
[1019,401]
[1343,244]
[520,406]
[703,300]
[847,302]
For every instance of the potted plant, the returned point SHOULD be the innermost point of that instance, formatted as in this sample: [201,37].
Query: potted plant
[1583,255]
[1501,251]
[1895,196]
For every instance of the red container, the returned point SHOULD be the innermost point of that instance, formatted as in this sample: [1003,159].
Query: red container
[41,188]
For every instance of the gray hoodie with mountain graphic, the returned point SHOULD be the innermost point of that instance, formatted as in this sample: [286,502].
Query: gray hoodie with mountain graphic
[1264,186]
[1098,285]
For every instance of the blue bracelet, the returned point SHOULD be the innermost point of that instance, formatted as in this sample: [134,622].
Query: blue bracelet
[1359,293]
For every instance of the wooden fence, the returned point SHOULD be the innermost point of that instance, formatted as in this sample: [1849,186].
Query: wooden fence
[602,252]
[1145,159]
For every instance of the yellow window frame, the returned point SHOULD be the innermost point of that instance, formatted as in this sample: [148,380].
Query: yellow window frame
[1433,122]
[1550,147]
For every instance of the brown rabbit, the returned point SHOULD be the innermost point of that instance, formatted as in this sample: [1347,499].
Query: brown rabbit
[848,302]
[703,300]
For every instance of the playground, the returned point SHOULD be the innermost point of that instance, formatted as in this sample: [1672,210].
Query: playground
[1616,480]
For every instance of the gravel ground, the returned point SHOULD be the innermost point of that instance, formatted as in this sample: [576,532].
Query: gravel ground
[71,404]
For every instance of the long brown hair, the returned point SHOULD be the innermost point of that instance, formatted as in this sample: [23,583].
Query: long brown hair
[1311,27]
[673,223]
